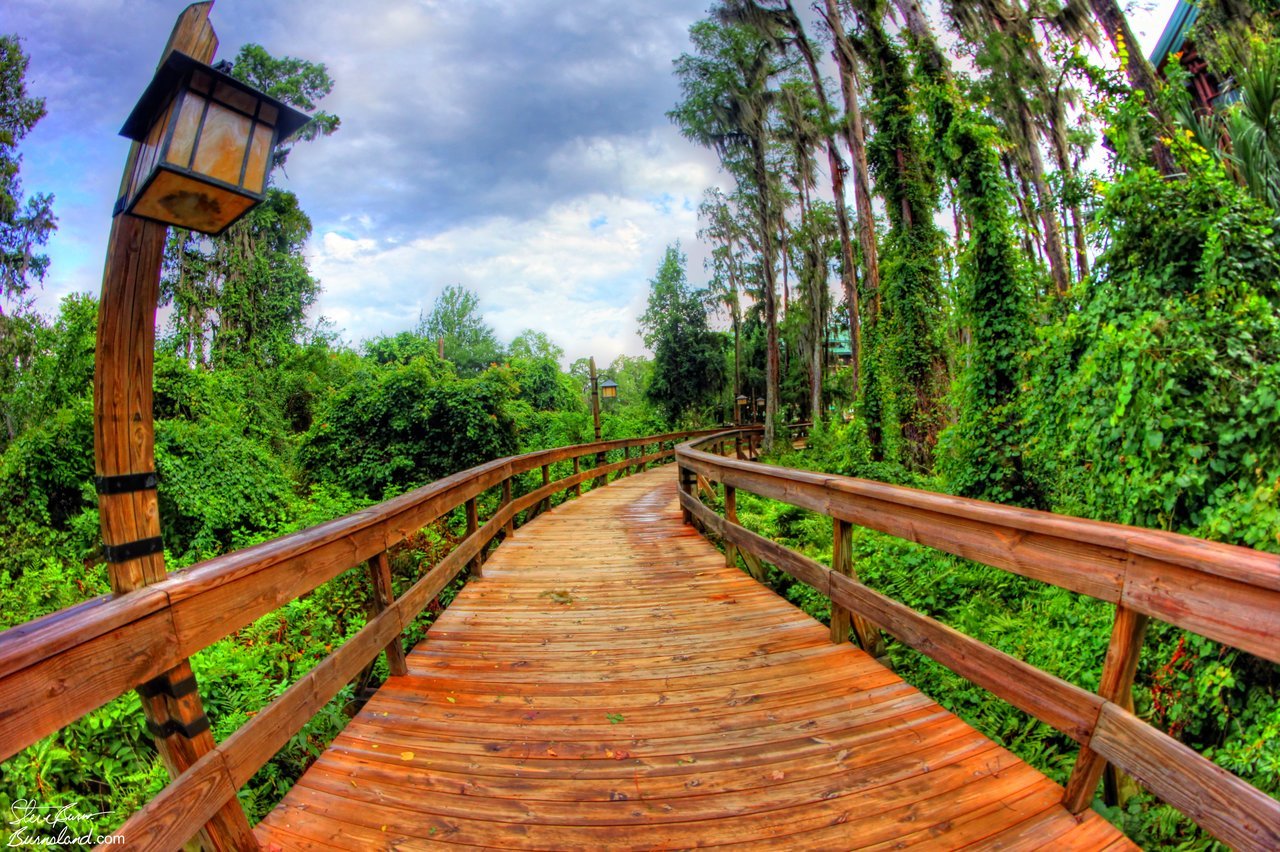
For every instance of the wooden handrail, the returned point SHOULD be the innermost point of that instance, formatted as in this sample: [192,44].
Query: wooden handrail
[1228,593]
[55,669]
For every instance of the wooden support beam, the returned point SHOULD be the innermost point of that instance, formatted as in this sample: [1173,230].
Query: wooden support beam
[124,455]
[545,506]
[383,597]
[842,619]
[577,468]
[1118,672]
[731,515]
[509,529]
[473,523]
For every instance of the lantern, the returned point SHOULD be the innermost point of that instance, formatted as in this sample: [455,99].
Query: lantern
[609,389]
[206,142]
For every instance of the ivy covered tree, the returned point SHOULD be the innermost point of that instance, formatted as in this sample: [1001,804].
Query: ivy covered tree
[688,360]
[455,318]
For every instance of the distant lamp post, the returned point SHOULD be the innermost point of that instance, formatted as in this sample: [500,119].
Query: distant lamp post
[742,407]
[609,389]
[206,142]
[759,408]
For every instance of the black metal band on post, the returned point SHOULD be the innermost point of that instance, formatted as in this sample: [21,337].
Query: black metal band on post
[126,483]
[133,549]
[162,686]
[173,726]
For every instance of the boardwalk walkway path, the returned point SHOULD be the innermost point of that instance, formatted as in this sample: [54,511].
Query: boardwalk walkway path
[609,683]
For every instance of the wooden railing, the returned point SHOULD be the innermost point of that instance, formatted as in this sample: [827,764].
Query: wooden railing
[1227,593]
[55,669]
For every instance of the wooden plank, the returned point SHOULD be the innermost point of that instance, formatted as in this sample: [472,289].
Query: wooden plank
[170,819]
[1231,810]
[1118,671]
[721,715]
[382,598]
[1062,705]
[63,686]
[1227,593]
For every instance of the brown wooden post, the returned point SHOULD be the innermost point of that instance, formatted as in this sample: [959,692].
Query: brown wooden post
[644,465]
[841,563]
[737,446]
[509,528]
[577,468]
[124,455]
[473,524]
[731,515]
[626,454]
[1118,671]
[869,637]
[686,483]
[383,596]
[545,506]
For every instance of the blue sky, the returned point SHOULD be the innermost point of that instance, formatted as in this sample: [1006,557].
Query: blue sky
[517,147]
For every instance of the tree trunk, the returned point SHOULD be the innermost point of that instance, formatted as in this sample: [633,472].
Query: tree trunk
[1136,67]
[854,133]
[837,168]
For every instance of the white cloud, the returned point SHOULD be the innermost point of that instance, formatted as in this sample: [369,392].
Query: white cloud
[578,269]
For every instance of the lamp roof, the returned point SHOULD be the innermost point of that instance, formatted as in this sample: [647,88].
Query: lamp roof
[171,72]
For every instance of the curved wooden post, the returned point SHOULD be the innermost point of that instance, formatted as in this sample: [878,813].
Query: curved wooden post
[124,455]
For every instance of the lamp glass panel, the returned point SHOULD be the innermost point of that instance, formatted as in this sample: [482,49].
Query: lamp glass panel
[149,151]
[259,150]
[220,152]
[189,203]
[184,132]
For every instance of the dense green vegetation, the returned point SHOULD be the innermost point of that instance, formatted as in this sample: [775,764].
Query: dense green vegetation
[1101,340]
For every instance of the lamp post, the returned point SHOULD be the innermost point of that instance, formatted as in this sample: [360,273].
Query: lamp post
[203,144]
[759,407]
[741,409]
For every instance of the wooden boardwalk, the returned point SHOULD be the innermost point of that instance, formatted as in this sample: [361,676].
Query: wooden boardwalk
[609,683]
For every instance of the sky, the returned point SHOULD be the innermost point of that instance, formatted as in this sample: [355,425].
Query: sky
[519,148]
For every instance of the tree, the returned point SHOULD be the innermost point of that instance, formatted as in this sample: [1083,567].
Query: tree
[23,227]
[726,106]
[455,318]
[687,362]
[242,297]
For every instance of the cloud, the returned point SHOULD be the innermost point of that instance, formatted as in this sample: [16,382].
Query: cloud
[578,270]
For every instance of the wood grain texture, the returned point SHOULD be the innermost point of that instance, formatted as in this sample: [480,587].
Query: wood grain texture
[645,695]
[1227,593]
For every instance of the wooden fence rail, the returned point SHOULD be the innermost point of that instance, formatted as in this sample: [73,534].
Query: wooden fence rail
[55,669]
[1227,593]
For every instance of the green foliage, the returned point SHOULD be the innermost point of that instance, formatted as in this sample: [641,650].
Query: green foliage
[1157,401]
[24,228]
[405,425]
[905,373]
[468,341]
[687,359]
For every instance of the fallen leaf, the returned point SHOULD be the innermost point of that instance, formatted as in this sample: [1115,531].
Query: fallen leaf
[621,754]
[451,699]
[777,775]
[406,755]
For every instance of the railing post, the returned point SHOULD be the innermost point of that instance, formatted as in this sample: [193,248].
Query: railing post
[626,454]
[869,638]
[380,575]
[509,528]
[601,479]
[731,515]
[1118,671]
[686,479]
[473,524]
[737,446]
[545,505]
[577,468]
